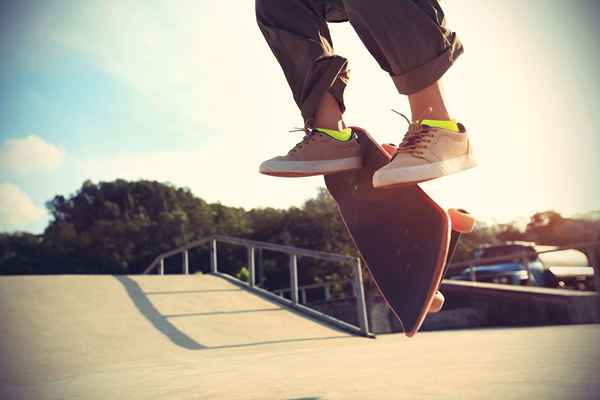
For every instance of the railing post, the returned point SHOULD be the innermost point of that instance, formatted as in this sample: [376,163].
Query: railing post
[186,262]
[260,274]
[327,292]
[294,277]
[161,268]
[251,266]
[361,305]
[213,256]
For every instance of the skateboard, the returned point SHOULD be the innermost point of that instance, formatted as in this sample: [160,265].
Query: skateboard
[403,236]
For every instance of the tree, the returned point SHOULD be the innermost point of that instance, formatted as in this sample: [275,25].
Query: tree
[121,226]
[125,223]
[549,227]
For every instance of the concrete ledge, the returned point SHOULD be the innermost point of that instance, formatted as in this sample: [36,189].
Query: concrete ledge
[515,291]
[475,304]
[507,305]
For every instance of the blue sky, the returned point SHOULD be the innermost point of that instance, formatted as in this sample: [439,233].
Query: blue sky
[192,95]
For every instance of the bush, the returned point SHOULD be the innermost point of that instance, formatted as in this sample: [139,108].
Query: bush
[243,274]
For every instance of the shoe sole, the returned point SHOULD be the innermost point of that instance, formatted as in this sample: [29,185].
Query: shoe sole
[401,176]
[296,169]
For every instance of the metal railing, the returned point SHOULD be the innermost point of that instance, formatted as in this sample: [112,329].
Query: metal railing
[294,254]
[326,286]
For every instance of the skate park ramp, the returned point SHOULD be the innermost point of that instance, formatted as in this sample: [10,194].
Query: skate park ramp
[203,337]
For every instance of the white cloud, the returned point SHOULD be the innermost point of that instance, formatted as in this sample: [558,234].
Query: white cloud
[223,171]
[30,154]
[17,210]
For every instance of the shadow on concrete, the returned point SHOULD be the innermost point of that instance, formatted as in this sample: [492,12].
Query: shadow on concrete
[177,337]
[195,291]
[233,346]
[159,321]
[306,398]
[221,313]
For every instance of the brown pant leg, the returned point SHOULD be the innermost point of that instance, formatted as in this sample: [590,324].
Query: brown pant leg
[297,33]
[407,37]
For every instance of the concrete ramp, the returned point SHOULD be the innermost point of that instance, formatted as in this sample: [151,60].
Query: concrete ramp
[202,337]
[56,325]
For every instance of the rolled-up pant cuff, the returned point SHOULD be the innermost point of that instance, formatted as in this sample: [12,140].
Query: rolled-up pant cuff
[424,75]
[327,74]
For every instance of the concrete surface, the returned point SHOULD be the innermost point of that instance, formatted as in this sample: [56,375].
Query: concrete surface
[201,337]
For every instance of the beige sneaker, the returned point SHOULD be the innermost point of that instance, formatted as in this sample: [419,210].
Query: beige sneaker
[426,153]
[317,154]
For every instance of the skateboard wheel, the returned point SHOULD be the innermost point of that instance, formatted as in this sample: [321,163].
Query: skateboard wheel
[462,221]
[437,302]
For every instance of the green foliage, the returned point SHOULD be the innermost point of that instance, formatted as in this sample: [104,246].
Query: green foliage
[20,253]
[243,274]
[316,226]
[483,234]
[119,227]
[125,223]
[549,227]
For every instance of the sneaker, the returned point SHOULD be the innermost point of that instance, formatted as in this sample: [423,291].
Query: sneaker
[317,154]
[426,153]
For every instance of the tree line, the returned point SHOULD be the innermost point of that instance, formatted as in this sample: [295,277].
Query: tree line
[119,227]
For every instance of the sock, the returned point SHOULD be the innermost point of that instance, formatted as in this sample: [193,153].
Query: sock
[448,124]
[343,135]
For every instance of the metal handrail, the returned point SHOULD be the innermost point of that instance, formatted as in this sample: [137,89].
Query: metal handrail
[325,286]
[285,249]
[176,251]
[294,253]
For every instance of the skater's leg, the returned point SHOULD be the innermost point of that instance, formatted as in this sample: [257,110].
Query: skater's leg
[410,41]
[329,114]
[297,32]
[428,102]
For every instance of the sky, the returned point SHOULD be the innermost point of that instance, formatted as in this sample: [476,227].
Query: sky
[191,95]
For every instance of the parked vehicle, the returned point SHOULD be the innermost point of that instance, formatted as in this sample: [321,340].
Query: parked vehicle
[568,269]
[561,269]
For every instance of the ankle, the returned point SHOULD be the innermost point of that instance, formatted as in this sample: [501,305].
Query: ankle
[329,114]
[428,103]
[440,115]
[336,125]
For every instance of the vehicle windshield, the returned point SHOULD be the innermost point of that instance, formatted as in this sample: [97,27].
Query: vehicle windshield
[506,250]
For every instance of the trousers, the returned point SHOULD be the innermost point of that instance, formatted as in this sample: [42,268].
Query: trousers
[408,38]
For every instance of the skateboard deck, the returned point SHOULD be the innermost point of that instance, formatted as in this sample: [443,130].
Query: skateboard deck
[402,235]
